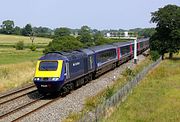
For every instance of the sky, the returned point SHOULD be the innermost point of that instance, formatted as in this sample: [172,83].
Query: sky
[97,14]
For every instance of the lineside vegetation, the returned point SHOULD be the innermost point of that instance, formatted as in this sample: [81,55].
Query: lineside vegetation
[156,98]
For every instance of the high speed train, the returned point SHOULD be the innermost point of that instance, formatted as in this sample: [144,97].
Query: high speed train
[64,71]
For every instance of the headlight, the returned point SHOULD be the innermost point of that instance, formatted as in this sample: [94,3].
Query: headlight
[36,79]
[55,79]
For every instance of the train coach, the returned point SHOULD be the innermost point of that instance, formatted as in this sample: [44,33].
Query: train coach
[64,71]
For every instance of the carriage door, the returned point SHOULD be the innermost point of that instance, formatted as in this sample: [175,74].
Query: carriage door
[67,71]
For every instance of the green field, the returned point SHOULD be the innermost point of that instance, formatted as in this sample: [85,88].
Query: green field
[11,40]
[12,56]
[156,98]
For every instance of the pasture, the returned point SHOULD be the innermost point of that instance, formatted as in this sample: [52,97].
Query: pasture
[156,98]
[17,66]
[11,40]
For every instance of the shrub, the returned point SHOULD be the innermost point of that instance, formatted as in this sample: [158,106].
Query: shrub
[154,55]
[109,92]
[19,45]
[33,47]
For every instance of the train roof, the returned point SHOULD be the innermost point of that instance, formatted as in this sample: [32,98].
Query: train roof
[102,48]
[120,44]
[52,56]
[87,51]
[57,55]
[142,40]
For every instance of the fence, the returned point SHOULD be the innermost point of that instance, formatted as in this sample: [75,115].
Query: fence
[104,110]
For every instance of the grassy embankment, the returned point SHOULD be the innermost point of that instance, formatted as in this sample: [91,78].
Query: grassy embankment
[156,98]
[17,66]
[92,102]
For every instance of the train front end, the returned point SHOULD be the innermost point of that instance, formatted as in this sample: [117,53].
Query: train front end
[49,75]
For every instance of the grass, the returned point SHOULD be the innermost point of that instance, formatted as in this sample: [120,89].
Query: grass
[11,40]
[93,101]
[13,56]
[157,98]
[17,66]
[14,75]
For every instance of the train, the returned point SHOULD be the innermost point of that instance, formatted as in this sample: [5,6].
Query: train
[61,72]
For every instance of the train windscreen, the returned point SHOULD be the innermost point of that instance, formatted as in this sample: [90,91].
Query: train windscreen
[48,65]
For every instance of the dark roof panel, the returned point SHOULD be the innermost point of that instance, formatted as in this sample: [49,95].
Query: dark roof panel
[120,44]
[87,51]
[102,48]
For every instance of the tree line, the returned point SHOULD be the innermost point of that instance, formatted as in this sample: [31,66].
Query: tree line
[8,27]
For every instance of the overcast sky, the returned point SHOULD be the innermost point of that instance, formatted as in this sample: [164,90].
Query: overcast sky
[99,14]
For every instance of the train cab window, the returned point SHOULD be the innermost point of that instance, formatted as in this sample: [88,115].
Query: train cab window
[48,65]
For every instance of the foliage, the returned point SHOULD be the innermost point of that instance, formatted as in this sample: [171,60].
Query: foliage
[7,26]
[167,36]
[85,34]
[62,32]
[42,31]
[20,45]
[17,30]
[154,55]
[33,47]
[109,92]
[64,43]
[27,30]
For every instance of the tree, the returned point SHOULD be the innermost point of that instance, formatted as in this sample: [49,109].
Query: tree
[85,34]
[17,30]
[7,26]
[62,32]
[63,43]
[27,30]
[167,36]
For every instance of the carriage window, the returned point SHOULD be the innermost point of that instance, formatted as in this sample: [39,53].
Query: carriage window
[106,55]
[125,50]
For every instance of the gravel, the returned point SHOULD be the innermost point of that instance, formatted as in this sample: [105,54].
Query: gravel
[14,104]
[74,102]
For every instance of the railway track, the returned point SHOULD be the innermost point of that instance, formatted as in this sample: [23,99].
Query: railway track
[27,109]
[10,96]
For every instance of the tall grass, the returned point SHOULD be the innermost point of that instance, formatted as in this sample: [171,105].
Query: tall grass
[157,98]
[14,75]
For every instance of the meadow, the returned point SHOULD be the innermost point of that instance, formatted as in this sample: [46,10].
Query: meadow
[156,98]
[17,66]
[11,40]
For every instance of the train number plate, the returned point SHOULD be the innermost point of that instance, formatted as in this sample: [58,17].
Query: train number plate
[44,85]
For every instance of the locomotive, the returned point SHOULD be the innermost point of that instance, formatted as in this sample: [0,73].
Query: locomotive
[64,71]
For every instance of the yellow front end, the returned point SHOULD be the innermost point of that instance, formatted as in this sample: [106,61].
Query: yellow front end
[45,74]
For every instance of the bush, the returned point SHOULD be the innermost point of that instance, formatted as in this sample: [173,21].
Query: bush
[33,47]
[109,93]
[19,45]
[65,43]
[154,55]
